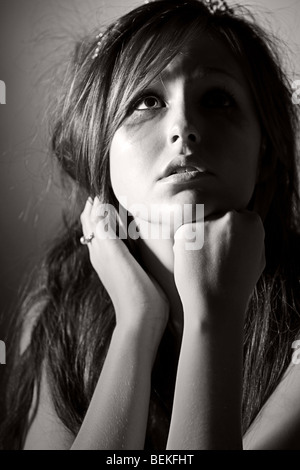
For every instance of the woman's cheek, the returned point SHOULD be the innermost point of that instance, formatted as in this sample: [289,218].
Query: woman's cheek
[140,117]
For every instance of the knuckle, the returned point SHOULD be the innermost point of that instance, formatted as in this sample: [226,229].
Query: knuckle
[258,223]
[230,218]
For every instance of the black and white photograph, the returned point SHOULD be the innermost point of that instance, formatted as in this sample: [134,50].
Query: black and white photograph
[150,227]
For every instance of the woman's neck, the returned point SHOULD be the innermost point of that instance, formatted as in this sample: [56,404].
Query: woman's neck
[157,257]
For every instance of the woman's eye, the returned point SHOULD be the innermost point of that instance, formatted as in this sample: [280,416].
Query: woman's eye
[218,99]
[149,102]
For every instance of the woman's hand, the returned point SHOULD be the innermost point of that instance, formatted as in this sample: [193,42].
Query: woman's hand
[139,301]
[214,284]
[220,277]
[118,412]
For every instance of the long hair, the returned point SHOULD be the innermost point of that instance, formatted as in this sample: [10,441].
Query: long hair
[72,330]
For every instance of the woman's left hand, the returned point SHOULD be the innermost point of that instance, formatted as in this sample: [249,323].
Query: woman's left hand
[214,284]
[218,279]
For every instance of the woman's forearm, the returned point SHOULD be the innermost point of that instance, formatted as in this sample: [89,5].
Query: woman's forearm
[118,412]
[207,402]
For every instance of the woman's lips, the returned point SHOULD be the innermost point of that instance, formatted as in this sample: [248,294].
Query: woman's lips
[184,168]
[185,175]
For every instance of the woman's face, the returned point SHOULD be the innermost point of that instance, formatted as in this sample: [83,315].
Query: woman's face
[196,121]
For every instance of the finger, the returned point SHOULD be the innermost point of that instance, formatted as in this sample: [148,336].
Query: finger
[97,210]
[192,235]
[102,221]
[85,216]
[87,208]
[215,216]
[89,204]
[106,219]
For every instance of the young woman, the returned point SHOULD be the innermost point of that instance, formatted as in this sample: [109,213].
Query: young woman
[141,343]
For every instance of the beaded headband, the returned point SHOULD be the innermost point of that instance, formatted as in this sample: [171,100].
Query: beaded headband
[218,6]
[96,52]
[214,6]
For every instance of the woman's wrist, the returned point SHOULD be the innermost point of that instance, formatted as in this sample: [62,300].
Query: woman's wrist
[143,338]
[204,315]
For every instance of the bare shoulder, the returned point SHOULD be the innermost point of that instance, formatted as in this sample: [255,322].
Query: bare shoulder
[277,427]
[47,432]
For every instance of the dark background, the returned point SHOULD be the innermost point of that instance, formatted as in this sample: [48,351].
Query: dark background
[36,39]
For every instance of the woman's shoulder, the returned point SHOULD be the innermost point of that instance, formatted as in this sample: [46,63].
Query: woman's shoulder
[277,426]
[46,431]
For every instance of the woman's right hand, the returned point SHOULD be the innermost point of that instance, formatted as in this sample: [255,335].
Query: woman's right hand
[139,301]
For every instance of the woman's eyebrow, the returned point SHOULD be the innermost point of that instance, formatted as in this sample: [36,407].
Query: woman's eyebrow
[201,73]
[222,71]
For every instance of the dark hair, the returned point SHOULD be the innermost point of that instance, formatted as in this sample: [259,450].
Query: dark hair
[99,95]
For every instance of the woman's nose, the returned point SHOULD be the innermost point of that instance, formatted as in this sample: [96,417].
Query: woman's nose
[186,137]
[184,132]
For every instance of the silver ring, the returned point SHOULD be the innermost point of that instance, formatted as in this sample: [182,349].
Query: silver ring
[85,240]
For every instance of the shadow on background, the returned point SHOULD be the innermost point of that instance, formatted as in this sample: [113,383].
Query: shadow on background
[36,41]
